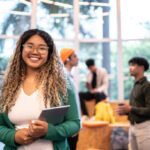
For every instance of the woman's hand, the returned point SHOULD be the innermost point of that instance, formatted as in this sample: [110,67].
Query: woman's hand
[38,128]
[22,137]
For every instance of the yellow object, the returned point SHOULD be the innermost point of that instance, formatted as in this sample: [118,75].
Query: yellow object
[104,112]
[65,53]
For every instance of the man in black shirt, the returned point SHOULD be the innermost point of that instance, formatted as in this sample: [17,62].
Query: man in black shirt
[138,109]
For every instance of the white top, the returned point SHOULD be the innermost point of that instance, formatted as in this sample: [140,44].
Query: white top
[28,108]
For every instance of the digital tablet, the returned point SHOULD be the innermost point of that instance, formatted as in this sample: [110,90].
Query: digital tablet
[54,115]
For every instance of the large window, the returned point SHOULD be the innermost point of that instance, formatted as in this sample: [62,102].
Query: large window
[97,19]
[56,18]
[135,19]
[15,18]
[96,51]
[131,49]
[110,31]
[136,35]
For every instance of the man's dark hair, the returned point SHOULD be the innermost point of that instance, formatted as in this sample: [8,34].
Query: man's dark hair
[140,61]
[90,62]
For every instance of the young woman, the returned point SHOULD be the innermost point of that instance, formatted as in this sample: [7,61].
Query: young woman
[35,80]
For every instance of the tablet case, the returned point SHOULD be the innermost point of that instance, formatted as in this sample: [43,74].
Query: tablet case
[54,115]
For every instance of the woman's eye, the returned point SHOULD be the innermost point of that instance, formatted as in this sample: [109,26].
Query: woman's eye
[30,46]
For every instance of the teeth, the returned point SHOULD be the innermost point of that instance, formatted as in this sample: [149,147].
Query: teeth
[34,58]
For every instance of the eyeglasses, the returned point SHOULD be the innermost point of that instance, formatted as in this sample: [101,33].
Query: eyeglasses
[40,48]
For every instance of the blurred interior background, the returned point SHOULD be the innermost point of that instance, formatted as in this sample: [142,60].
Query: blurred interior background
[110,31]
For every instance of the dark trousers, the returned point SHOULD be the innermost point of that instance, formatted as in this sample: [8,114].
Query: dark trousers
[73,142]
[87,96]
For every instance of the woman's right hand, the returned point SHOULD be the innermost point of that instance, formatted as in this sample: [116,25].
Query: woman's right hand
[22,137]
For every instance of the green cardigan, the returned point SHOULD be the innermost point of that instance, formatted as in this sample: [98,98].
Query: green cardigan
[57,134]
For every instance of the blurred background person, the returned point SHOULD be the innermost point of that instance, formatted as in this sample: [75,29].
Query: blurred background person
[34,81]
[70,60]
[138,110]
[97,85]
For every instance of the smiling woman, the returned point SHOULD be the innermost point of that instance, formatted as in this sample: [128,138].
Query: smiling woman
[35,51]
[35,80]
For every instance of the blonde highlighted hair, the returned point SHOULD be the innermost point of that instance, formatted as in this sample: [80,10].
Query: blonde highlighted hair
[51,75]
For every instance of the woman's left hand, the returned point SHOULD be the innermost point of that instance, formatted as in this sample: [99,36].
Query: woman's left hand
[38,128]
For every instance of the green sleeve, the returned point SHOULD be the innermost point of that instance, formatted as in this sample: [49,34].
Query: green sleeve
[71,124]
[6,133]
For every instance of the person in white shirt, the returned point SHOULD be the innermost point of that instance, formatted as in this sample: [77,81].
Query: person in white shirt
[97,85]
[70,60]
[35,80]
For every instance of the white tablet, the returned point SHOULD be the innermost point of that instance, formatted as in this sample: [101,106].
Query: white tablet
[54,115]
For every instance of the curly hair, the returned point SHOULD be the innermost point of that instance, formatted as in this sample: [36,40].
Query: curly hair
[51,77]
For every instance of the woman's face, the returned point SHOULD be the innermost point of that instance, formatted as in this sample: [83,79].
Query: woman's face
[35,52]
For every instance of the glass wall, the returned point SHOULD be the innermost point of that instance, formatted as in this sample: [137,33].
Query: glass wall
[131,49]
[99,29]
[97,19]
[15,18]
[56,18]
[135,35]
[96,51]
[135,19]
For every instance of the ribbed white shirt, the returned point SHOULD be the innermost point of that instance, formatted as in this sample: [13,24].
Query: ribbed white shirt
[27,108]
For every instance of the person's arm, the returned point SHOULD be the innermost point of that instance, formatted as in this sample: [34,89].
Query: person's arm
[7,134]
[145,110]
[123,108]
[71,125]
[88,81]
[88,86]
